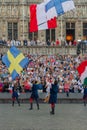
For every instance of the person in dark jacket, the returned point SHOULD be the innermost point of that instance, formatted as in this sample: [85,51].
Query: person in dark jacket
[53,96]
[85,95]
[15,95]
[34,94]
[48,43]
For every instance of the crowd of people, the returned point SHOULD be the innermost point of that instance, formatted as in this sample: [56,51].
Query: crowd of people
[38,42]
[48,74]
[45,69]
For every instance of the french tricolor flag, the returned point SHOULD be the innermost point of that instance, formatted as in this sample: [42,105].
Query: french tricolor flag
[38,18]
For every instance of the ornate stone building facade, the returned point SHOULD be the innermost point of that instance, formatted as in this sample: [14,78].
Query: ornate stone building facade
[14,22]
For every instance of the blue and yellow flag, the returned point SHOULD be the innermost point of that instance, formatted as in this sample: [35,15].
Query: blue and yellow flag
[15,61]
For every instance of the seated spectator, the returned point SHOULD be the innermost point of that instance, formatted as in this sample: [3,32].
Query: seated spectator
[25,42]
[66,88]
[32,42]
[1,86]
[61,87]
[48,43]
[74,43]
[57,42]
[10,87]
[27,86]
[6,86]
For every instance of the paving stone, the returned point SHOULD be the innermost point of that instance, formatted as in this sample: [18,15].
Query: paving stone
[67,117]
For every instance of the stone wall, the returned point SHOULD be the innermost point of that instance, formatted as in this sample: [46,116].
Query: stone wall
[44,50]
[18,11]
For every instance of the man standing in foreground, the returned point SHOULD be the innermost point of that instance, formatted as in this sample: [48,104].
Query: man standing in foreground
[53,96]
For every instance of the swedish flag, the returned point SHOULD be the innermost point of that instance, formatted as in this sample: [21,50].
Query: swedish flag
[15,61]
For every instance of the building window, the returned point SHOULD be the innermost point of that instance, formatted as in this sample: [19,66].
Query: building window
[50,34]
[33,36]
[13,31]
[85,31]
[70,25]
[70,31]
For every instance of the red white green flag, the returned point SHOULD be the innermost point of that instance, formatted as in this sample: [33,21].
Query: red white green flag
[82,70]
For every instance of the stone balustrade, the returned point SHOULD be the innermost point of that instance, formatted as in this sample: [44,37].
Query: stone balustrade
[44,50]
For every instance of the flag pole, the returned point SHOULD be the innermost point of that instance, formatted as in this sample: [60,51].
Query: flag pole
[61,28]
[23,21]
[3,5]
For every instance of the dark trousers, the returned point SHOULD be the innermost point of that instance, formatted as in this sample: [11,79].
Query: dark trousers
[13,100]
[52,108]
[85,101]
[31,103]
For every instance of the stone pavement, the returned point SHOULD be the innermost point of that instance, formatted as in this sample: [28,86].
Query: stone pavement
[67,117]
